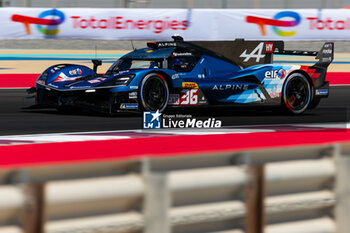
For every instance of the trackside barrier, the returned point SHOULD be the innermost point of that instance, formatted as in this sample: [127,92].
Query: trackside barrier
[161,24]
[288,190]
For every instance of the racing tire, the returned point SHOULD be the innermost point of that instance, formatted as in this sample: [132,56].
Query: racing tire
[296,94]
[153,93]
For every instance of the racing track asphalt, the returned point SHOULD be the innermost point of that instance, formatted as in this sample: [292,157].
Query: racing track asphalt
[14,120]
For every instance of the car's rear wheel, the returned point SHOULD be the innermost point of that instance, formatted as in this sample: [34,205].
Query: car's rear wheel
[154,92]
[296,94]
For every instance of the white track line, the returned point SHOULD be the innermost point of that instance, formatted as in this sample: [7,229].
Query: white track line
[108,135]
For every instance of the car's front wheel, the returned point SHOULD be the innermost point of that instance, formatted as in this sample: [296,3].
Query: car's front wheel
[296,94]
[154,92]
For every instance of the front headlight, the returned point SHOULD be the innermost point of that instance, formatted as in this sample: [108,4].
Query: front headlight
[123,80]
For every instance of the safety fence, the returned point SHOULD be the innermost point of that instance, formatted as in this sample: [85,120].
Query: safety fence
[299,189]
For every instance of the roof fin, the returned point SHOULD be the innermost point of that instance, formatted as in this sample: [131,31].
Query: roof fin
[177,38]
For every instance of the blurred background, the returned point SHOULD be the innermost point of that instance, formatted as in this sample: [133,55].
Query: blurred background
[178,3]
[305,188]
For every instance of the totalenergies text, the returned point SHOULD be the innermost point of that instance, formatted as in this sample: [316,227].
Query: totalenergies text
[119,22]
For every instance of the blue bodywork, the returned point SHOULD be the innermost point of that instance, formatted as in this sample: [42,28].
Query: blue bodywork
[219,81]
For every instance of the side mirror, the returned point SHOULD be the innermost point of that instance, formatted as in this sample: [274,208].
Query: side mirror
[96,63]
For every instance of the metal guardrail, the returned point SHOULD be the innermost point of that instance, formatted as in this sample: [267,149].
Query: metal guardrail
[279,190]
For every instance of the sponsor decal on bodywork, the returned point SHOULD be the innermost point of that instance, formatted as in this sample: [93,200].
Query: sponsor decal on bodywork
[269,47]
[189,97]
[174,99]
[75,72]
[321,92]
[129,106]
[189,85]
[281,73]
[133,95]
[182,54]
[175,76]
[97,80]
[230,87]
[64,78]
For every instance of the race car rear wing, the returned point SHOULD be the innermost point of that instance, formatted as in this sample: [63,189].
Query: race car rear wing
[297,52]
[325,56]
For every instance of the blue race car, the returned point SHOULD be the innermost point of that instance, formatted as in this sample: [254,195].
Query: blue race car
[187,74]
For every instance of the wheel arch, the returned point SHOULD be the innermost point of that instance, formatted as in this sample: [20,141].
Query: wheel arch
[307,76]
[164,74]
[167,79]
[309,81]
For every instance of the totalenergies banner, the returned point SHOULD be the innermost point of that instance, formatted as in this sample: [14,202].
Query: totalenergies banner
[161,24]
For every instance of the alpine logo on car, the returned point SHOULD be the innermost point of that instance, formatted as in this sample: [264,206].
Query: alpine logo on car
[166,44]
[230,87]
[256,53]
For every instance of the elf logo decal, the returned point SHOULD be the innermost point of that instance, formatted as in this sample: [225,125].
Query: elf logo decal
[256,53]
[281,73]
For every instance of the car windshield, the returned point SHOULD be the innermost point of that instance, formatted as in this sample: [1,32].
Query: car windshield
[132,64]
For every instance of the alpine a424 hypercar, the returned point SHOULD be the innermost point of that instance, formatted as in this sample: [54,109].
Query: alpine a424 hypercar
[178,73]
